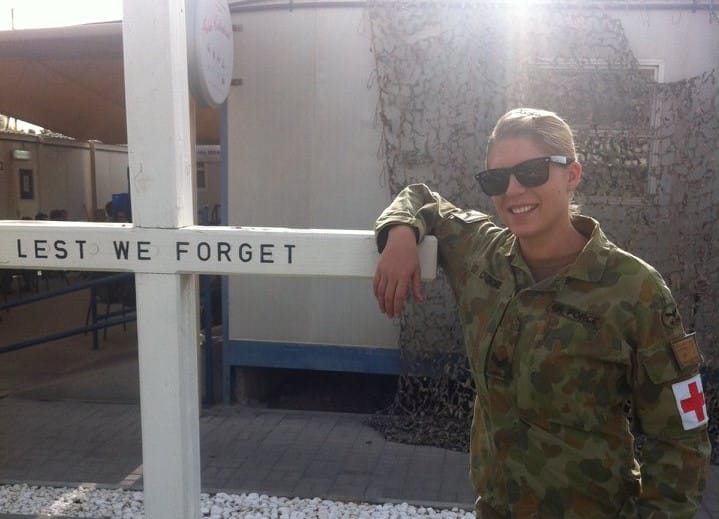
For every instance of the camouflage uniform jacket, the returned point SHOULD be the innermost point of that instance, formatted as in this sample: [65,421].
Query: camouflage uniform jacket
[555,364]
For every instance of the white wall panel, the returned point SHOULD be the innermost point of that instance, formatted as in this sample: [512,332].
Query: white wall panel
[110,174]
[62,181]
[302,152]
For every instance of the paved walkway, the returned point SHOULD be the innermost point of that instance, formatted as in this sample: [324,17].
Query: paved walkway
[70,414]
[285,453]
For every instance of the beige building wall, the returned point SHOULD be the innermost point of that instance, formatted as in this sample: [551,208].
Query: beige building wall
[60,178]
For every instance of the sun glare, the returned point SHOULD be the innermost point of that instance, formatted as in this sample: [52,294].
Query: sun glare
[522,7]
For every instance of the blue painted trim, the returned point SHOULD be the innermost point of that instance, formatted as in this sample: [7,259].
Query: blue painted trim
[323,357]
[224,184]
[206,298]
[226,347]
[224,164]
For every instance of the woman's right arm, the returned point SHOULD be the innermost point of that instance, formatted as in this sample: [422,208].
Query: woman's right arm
[414,213]
[397,270]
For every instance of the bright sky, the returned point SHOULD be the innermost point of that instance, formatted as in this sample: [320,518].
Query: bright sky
[33,14]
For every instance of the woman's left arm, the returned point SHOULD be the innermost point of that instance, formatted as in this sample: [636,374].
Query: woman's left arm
[669,407]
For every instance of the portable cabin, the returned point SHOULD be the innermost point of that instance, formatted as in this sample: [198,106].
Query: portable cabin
[308,130]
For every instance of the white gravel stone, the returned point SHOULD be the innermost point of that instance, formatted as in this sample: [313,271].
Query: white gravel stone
[89,501]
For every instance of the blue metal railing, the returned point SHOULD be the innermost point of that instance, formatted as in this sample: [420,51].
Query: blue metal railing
[116,291]
[107,322]
[130,316]
[75,287]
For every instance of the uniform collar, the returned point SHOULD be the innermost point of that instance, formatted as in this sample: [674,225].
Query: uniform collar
[592,261]
[589,265]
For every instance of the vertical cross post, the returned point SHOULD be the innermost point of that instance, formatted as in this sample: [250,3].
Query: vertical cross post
[160,160]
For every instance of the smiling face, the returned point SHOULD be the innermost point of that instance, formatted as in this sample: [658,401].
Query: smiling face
[537,214]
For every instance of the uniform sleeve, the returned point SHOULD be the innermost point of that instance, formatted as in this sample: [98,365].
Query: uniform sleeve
[416,206]
[428,213]
[669,407]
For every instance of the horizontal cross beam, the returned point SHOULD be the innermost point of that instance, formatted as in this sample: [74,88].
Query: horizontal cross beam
[196,249]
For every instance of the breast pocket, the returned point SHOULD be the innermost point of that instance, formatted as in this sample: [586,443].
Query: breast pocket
[572,371]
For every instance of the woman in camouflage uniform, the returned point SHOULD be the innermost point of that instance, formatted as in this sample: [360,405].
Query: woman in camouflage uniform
[562,329]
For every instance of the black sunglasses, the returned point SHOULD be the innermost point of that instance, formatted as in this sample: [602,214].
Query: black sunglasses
[530,173]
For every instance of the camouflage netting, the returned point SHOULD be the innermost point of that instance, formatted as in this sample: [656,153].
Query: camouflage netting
[446,72]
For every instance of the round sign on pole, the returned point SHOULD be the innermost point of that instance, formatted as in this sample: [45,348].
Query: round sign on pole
[210,50]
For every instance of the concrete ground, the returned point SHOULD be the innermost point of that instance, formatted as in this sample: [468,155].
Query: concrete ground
[70,415]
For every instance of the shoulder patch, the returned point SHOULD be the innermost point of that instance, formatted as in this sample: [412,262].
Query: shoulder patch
[692,408]
[670,316]
[686,351]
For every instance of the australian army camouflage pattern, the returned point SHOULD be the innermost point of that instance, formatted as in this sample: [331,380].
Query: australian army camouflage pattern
[555,364]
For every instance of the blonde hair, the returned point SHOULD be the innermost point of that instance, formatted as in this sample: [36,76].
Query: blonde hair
[545,128]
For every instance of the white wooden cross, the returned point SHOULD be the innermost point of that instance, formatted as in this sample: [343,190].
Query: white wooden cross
[166,250]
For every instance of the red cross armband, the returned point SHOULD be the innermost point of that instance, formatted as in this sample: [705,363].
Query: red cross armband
[692,408]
